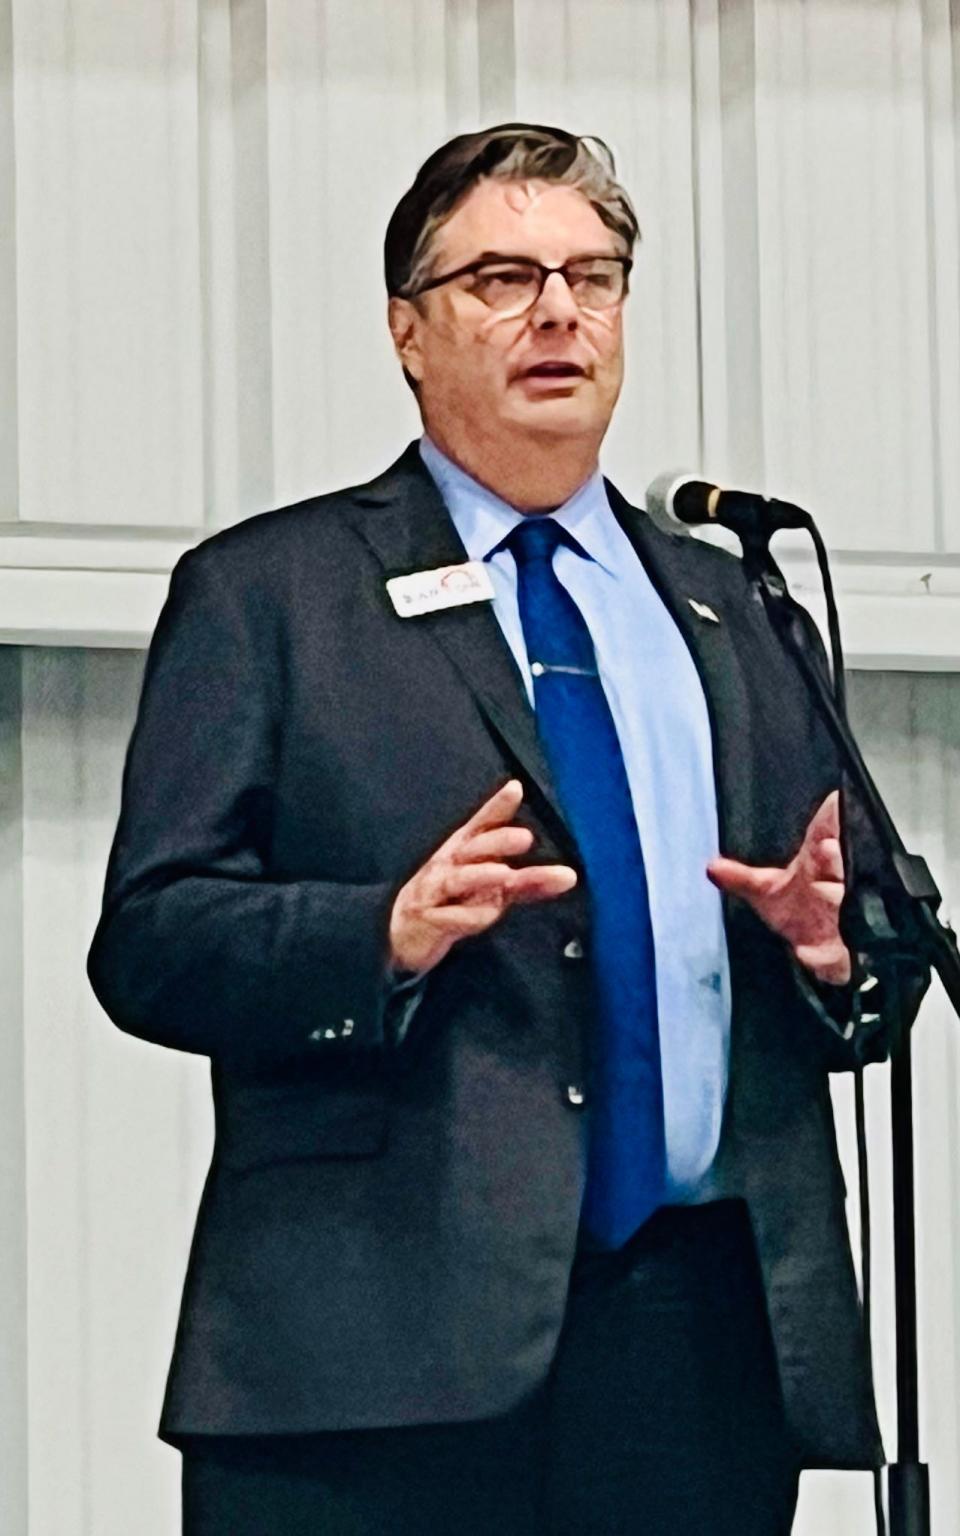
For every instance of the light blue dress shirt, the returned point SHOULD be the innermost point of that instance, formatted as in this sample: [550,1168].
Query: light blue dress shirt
[660,713]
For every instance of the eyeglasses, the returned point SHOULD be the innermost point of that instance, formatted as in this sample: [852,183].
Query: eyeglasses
[511,285]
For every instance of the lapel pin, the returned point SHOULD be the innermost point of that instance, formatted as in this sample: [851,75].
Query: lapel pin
[703,610]
[447,586]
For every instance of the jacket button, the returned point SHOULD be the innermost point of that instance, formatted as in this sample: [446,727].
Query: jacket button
[573,950]
[574,1096]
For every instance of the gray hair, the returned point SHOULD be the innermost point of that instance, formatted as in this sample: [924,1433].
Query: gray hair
[586,173]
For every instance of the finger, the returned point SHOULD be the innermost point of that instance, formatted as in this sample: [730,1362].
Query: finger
[744,880]
[828,859]
[825,821]
[501,807]
[540,882]
[498,843]
[460,882]
[461,921]
[830,891]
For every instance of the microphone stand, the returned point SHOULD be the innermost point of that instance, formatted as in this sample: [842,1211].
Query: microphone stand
[890,920]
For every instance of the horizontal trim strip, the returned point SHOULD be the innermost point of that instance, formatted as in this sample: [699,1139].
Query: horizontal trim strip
[901,625]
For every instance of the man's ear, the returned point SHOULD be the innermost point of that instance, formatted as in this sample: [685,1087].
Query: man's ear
[404,321]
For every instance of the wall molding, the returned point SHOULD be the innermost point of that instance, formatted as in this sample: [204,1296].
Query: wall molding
[106,588]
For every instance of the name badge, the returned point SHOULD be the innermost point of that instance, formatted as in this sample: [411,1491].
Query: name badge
[448,586]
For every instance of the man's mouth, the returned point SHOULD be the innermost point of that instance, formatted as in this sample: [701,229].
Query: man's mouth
[553,371]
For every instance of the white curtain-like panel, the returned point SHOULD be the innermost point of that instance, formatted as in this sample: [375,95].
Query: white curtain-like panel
[117,1137]
[197,192]
[107,292]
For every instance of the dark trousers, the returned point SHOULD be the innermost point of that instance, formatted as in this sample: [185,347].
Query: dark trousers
[662,1416]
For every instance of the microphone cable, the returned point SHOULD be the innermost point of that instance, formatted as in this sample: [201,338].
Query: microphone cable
[863,1167]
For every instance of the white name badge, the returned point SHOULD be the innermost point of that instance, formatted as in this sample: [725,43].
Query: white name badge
[448,586]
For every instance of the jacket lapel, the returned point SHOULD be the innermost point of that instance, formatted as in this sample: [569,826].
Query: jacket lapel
[710,622]
[411,530]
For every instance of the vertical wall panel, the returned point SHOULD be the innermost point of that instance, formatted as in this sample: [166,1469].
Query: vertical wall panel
[8,275]
[942,113]
[461,37]
[356,101]
[738,227]
[252,270]
[118,1136]
[13,1208]
[844,266]
[108,298]
[496,57]
[225,495]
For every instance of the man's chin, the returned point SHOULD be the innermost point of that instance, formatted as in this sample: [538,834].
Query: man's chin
[559,414]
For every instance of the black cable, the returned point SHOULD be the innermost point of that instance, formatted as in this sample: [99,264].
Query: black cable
[863,1168]
[865,1269]
[833,622]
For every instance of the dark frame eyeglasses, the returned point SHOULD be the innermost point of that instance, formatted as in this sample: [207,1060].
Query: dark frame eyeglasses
[591,266]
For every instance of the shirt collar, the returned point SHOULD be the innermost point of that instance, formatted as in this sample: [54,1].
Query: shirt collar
[482,519]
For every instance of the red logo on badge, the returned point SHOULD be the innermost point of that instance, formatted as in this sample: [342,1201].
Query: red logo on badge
[459,580]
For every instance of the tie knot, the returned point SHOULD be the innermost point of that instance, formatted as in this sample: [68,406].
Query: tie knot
[535,539]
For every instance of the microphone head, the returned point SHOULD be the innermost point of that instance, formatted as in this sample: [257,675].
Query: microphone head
[678,499]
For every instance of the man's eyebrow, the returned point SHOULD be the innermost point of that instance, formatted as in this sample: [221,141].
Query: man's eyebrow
[515,256]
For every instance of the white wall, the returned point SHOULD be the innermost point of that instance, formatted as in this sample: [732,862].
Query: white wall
[192,328]
[116,1133]
[192,318]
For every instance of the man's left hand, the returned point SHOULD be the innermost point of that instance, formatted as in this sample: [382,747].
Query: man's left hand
[802,902]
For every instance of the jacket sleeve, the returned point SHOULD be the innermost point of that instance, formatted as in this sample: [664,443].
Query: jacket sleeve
[857,1023]
[196,948]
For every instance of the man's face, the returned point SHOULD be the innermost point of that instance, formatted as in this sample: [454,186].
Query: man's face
[472,361]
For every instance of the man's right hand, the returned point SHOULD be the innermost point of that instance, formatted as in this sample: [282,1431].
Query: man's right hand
[464,888]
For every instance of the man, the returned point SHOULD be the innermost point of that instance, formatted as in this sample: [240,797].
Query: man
[525,1212]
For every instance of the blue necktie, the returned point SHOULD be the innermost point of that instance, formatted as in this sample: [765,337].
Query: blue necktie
[627,1160]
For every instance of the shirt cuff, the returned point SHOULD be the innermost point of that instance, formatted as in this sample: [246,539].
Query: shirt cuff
[406,991]
[400,980]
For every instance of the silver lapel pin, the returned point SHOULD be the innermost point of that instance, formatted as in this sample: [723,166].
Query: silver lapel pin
[703,610]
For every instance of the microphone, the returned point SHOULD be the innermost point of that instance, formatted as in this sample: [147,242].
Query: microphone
[676,498]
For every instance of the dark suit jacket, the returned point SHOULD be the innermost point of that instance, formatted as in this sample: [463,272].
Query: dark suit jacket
[386,1231]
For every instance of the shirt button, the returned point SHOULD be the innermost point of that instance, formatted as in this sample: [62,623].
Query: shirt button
[573,950]
[574,1096]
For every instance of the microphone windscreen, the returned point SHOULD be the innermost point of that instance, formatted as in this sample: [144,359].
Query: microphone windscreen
[676,496]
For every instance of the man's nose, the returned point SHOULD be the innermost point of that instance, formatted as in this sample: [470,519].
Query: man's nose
[556,303]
